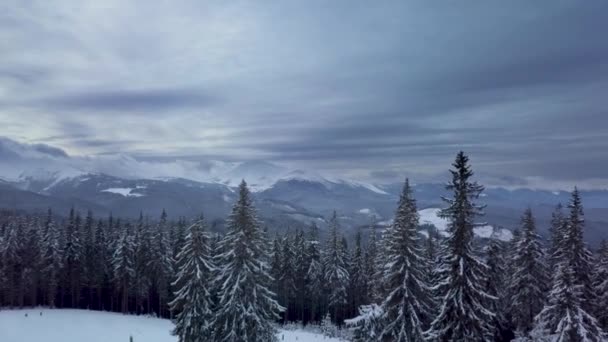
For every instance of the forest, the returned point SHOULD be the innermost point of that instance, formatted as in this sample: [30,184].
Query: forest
[395,284]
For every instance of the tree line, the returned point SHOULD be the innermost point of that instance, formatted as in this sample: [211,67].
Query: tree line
[401,285]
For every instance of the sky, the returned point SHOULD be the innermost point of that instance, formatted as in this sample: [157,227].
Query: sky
[367,90]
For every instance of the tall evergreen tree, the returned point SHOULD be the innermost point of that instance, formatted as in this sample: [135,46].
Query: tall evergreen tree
[495,283]
[123,265]
[464,315]
[52,260]
[529,277]
[407,309]
[336,273]
[193,300]
[578,253]
[247,307]
[600,284]
[314,275]
[372,269]
[358,280]
[73,258]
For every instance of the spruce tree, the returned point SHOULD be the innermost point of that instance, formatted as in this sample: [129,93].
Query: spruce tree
[528,277]
[600,284]
[579,255]
[495,286]
[247,306]
[358,280]
[336,273]
[52,260]
[193,300]
[407,308]
[314,275]
[123,266]
[372,268]
[464,315]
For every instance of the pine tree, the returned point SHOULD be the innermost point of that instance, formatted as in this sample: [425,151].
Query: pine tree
[123,265]
[301,263]
[407,308]
[161,263]
[495,283]
[12,262]
[368,325]
[314,275]
[90,257]
[287,278]
[52,260]
[566,316]
[358,280]
[557,231]
[192,301]
[600,284]
[73,258]
[579,255]
[336,274]
[372,268]
[463,315]
[563,319]
[102,259]
[247,307]
[529,277]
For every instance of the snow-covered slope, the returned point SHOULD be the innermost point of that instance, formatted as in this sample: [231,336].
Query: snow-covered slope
[430,216]
[68,325]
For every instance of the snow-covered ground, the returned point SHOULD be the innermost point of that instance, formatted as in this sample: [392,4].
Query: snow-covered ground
[67,325]
[430,216]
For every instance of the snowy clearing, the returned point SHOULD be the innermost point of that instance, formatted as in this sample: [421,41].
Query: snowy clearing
[70,325]
[430,216]
[123,191]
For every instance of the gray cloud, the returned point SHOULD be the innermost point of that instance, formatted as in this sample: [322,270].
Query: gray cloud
[376,92]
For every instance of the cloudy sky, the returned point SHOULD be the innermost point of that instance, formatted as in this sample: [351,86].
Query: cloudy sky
[345,87]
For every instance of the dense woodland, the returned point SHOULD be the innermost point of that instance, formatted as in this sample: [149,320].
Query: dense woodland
[400,285]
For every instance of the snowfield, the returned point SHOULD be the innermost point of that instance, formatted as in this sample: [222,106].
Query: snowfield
[430,216]
[70,325]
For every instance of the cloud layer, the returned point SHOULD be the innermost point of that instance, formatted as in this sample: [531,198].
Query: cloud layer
[369,92]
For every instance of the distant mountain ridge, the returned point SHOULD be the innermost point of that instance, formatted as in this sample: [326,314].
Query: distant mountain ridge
[36,178]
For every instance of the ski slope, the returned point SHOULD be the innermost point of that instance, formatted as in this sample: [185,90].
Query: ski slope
[68,325]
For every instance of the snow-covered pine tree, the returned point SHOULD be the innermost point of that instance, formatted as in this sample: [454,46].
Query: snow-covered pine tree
[12,262]
[463,315]
[528,278]
[89,258]
[287,278]
[579,255]
[123,266]
[52,260]
[247,307]
[368,325]
[335,272]
[600,284]
[276,263]
[142,241]
[193,301]
[314,275]
[563,318]
[301,263]
[358,280]
[103,255]
[556,231]
[31,258]
[495,283]
[73,258]
[372,264]
[407,308]
[161,263]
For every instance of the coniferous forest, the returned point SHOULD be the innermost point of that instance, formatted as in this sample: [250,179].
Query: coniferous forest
[394,284]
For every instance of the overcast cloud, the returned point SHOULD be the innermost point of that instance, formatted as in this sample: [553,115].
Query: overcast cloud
[373,91]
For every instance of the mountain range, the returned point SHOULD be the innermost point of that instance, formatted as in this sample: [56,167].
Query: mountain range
[36,178]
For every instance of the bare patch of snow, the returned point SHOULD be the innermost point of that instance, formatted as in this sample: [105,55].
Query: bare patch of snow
[126,192]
